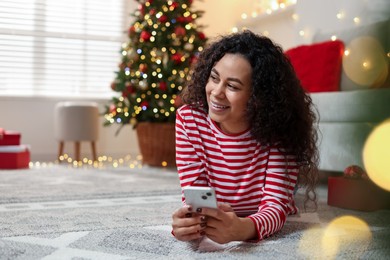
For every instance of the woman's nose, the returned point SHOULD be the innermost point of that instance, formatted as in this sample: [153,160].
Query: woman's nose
[218,90]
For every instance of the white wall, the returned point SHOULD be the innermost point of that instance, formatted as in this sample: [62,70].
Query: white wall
[279,26]
[321,16]
[315,16]
[222,15]
[34,118]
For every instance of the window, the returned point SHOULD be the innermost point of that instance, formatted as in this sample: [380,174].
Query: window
[60,48]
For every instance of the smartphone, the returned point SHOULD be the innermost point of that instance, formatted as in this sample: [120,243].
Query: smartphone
[200,197]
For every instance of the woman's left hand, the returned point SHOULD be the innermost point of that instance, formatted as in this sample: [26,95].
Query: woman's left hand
[224,226]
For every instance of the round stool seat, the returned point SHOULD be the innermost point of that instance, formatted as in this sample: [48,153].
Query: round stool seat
[76,121]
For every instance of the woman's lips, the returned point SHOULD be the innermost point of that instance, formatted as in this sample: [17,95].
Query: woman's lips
[218,106]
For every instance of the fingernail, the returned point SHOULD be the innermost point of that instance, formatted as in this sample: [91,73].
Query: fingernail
[199,210]
[203,218]
[188,215]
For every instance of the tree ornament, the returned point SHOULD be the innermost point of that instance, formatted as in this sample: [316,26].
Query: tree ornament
[180,31]
[131,30]
[143,67]
[177,58]
[188,19]
[112,108]
[163,19]
[145,36]
[141,8]
[130,88]
[113,85]
[122,65]
[174,5]
[201,36]
[181,19]
[165,59]
[193,59]
[143,84]
[162,85]
[159,53]
[132,54]
[176,42]
[144,104]
[188,46]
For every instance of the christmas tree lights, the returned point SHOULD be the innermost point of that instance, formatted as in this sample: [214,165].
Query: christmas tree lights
[164,42]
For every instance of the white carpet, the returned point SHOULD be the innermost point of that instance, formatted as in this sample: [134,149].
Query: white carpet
[61,212]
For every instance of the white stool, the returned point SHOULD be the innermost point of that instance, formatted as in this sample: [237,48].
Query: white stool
[76,121]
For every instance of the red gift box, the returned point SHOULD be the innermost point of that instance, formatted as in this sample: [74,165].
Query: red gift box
[357,194]
[14,157]
[9,137]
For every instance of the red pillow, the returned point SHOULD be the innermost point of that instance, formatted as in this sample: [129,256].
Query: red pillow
[318,66]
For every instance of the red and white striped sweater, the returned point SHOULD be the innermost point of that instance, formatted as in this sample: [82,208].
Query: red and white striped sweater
[251,177]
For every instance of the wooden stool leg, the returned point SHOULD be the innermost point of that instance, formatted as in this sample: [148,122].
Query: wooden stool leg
[77,151]
[94,157]
[60,150]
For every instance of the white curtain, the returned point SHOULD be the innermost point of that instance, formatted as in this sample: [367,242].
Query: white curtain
[60,48]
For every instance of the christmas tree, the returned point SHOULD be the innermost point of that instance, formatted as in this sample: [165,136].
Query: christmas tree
[164,43]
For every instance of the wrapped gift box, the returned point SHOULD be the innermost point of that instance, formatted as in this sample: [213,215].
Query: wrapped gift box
[357,194]
[9,137]
[14,157]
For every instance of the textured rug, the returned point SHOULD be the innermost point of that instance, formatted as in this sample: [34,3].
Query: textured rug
[61,212]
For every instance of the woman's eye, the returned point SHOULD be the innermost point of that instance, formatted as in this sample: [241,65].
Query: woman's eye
[214,78]
[232,87]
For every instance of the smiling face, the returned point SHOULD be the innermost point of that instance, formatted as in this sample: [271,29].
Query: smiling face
[228,90]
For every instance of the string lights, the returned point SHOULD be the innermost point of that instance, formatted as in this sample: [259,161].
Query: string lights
[269,7]
[128,161]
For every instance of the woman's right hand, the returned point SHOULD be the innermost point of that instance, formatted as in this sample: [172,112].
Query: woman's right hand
[187,225]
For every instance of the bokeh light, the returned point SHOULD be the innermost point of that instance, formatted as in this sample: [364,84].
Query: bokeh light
[346,232]
[343,234]
[310,242]
[366,63]
[376,155]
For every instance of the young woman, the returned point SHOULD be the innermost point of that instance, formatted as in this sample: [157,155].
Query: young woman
[245,129]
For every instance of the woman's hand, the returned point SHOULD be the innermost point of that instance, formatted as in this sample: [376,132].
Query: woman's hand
[188,225]
[224,226]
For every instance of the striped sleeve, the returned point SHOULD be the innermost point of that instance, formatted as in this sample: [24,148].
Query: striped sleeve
[277,202]
[190,167]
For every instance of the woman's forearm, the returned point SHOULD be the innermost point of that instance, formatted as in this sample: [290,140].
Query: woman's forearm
[248,230]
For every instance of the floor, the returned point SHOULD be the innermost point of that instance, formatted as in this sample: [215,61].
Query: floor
[66,212]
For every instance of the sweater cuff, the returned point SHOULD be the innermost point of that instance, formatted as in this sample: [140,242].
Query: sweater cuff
[258,231]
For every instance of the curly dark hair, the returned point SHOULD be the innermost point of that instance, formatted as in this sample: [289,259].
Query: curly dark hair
[279,110]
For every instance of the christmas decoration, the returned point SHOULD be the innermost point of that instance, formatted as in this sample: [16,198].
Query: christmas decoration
[164,42]
[354,190]
[13,155]
[355,172]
